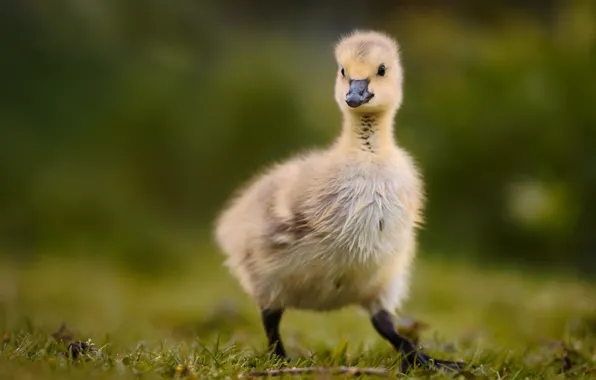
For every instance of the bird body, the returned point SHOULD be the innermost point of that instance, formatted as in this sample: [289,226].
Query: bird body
[325,230]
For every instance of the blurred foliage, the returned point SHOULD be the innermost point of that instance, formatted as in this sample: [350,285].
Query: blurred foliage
[125,125]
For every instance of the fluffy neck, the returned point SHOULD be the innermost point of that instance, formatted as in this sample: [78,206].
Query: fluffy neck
[367,132]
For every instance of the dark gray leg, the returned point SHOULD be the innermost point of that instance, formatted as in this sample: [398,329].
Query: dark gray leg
[383,323]
[271,320]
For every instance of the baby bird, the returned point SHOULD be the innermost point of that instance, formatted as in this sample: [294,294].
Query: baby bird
[336,227]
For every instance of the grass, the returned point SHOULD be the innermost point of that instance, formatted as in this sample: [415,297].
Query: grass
[197,323]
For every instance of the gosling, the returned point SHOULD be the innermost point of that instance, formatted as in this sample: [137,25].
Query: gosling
[336,227]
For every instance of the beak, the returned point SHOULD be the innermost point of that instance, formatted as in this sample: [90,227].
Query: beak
[358,93]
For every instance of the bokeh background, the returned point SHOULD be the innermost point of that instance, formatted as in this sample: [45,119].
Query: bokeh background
[125,126]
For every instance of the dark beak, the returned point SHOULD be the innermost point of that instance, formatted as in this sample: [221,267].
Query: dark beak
[358,93]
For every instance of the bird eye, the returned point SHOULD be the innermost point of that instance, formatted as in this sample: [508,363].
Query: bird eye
[343,73]
[381,71]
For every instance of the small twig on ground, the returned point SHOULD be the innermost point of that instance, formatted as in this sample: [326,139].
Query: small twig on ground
[326,370]
[63,334]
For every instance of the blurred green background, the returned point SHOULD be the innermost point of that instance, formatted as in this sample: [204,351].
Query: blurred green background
[125,125]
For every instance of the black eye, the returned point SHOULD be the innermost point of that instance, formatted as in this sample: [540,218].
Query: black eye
[381,71]
[343,73]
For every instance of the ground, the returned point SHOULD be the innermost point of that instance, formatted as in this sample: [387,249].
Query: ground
[197,323]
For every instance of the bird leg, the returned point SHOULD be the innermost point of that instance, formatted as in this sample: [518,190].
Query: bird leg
[412,357]
[271,320]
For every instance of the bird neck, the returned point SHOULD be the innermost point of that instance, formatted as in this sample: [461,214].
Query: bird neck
[367,132]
